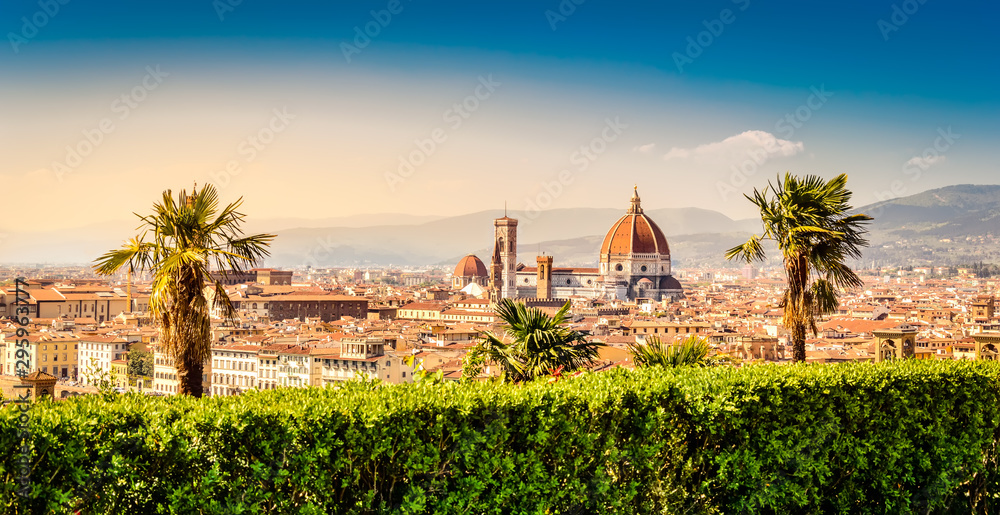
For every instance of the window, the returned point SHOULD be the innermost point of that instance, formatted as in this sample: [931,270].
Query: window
[619,267]
[643,268]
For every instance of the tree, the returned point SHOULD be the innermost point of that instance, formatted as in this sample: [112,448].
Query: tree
[691,351]
[809,219]
[186,238]
[533,344]
[140,363]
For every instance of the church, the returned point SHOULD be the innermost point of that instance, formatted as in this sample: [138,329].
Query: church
[633,263]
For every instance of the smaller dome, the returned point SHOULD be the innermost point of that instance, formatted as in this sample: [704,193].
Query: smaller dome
[471,266]
[645,282]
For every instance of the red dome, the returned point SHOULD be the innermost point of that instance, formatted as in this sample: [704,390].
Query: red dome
[635,233]
[471,266]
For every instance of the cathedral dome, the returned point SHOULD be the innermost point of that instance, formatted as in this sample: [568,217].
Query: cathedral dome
[471,266]
[635,233]
[669,283]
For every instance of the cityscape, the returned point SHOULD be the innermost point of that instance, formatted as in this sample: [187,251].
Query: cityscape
[301,327]
[557,257]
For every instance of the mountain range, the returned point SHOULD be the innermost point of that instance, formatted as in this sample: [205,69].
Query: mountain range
[950,225]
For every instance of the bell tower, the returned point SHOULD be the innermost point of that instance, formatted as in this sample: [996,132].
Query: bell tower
[896,343]
[505,250]
[544,282]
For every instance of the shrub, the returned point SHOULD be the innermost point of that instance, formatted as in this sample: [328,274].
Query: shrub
[900,437]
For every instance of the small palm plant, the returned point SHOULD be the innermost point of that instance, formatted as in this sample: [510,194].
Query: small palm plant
[533,344]
[692,351]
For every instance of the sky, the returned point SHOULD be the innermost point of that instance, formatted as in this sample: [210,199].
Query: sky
[328,109]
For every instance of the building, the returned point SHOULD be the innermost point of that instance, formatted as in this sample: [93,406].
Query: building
[54,354]
[284,365]
[266,276]
[896,343]
[359,356]
[983,309]
[230,277]
[470,270]
[98,303]
[273,277]
[421,311]
[635,258]
[633,263]
[503,267]
[57,355]
[234,369]
[665,330]
[96,352]
[165,373]
[325,307]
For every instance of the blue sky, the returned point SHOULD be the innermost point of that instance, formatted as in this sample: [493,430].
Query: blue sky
[571,103]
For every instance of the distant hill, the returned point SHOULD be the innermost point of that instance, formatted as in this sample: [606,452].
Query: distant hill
[945,226]
[950,210]
[951,225]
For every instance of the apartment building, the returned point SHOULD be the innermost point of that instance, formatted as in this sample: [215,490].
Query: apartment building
[165,373]
[359,357]
[234,369]
[283,365]
[95,354]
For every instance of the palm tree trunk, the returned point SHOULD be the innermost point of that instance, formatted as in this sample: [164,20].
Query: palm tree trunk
[797,271]
[189,330]
[799,342]
[189,372]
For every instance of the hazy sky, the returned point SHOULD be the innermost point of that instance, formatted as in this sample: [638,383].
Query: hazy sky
[321,109]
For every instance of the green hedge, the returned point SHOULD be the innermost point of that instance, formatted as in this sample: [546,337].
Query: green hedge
[909,437]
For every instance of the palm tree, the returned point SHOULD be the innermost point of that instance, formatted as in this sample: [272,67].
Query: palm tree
[185,238]
[691,351]
[809,219]
[533,344]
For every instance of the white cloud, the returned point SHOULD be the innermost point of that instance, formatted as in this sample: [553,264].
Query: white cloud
[925,162]
[645,149]
[760,146]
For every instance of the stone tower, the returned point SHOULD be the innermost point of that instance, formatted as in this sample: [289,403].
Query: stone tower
[496,274]
[505,250]
[544,282]
[896,343]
